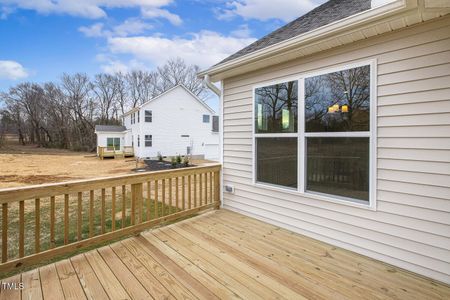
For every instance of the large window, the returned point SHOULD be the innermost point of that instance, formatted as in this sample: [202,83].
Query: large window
[328,145]
[113,143]
[148,116]
[148,140]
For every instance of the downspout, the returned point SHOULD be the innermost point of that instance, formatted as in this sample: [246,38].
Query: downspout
[219,93]
[211,86]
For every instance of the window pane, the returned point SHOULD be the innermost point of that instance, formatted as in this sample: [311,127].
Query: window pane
[215,124]
[338,166]
[109,142]
[277,161]
[205,118]
[148,116]
[338,101]
[117,143]
[276,108]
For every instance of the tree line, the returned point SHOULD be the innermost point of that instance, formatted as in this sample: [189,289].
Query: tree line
[63,114]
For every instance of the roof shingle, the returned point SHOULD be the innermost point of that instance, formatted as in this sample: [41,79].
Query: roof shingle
[322,15]
[110,128]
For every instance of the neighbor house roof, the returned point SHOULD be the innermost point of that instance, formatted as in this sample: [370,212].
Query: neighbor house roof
[324,14]
[109,128]
[166,92]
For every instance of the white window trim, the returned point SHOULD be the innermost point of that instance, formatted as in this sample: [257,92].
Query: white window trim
[301,134]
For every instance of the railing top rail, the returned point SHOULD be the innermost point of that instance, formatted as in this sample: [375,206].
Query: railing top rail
[15,194]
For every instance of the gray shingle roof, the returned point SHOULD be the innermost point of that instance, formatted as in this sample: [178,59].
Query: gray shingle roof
[322,15]
[110,128]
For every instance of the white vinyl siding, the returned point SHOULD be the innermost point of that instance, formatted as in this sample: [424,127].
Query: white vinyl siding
[410,225]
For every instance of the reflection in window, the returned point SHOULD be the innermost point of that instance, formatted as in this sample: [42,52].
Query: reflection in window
[338,166]
[277,161]
[276,108]
[338,101]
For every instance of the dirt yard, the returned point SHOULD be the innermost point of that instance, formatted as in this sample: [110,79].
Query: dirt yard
[27,165]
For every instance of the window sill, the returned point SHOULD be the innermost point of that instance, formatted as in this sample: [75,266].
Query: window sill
[318,196]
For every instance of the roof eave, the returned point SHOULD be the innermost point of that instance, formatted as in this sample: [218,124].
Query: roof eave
[276,53]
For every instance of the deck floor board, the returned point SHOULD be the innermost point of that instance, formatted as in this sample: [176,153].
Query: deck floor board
[221,255]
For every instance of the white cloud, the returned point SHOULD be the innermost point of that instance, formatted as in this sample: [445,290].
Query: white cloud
[153,12]
[129,27]
[12,70]
[111,64]
[93,9]
[242,32]
[204,48]
[95,30]
[263,10]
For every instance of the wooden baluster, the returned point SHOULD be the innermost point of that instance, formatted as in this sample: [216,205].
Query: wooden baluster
[163,200]
[102,213]
[156,198]
[91,213]
[148,199]
[113,209]
[52,222]
[195,190]
[133,204]
[4,232]
[140,200]
[170,195]
[136,198]
[79,216]
[189,192]
[211,187]
[66,219]
[124,205]
[200,189]
[217,188]
[37,225]
[22,228]
[183,192]
[177,194]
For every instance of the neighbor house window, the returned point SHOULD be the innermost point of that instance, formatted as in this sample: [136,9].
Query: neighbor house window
[205,118]
[138,116]
[215,124]
[113,143]
[132,118]
[334,155]
[148,116]
[148,140]
[275,134]
[138,140]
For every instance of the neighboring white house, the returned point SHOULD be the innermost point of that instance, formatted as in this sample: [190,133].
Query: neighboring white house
[337,126]
[175,122]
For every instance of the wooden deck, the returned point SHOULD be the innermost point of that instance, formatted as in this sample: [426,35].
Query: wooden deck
[222,255]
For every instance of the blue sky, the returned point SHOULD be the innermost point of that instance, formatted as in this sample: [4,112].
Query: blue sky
[41,39]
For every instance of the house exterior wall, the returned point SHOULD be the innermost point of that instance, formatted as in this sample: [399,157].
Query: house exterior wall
[176,115]
[410,225]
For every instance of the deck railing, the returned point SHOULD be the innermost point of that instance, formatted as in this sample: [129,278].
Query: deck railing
[112,152]
[43,221]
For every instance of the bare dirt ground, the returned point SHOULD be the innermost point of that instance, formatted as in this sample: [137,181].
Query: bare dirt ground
[29,165]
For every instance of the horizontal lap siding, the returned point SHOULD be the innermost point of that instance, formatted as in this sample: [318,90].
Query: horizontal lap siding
[411,226]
